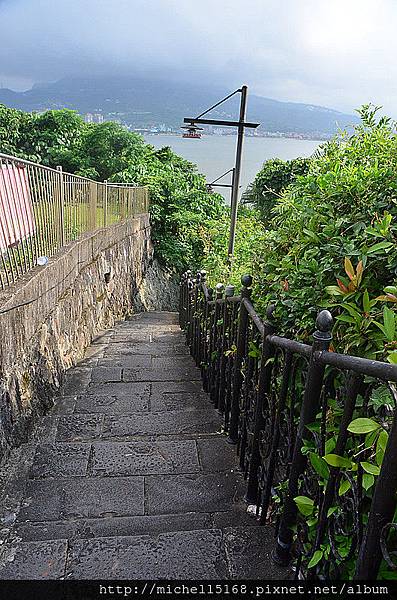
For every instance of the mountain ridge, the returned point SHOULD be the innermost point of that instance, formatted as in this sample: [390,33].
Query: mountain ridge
[139,102]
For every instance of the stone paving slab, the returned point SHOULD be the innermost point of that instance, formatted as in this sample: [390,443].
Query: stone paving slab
[249,553]
[36,560]
[47,430]
[144,458]
[182,422]
[184,400]
[188,374]
[112,405]
[75,428]
[236,517]
[76,381]
[174,555]
[55,460]
[172,362]
[216,454]
[106,374]
[155,316]
[119,389]
[207,492]
[154,349]
[177,387]
[114,526]
[57,499]
[128,361]
[102,339]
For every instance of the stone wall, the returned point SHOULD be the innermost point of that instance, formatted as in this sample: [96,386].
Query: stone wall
[84,289]
[159,290]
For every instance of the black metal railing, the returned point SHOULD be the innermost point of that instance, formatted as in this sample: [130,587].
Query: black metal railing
[287,405]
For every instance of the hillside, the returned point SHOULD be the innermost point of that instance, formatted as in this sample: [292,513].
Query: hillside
[151,103]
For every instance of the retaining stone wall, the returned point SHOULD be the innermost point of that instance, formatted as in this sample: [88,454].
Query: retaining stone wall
[84,289]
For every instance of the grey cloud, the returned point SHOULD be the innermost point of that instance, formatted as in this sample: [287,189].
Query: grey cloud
[338,53]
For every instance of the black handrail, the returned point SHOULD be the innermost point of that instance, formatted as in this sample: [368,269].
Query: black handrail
[275,395]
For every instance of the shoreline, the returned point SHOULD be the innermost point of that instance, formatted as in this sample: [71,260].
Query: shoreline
[215,135]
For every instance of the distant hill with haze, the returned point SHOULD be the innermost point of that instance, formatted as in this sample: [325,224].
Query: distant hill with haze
[143,103]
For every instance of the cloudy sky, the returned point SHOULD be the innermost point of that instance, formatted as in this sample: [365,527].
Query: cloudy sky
[337,53]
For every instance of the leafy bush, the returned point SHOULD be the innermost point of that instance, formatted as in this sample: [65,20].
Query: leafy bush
[250,235]
[181,207]
[332,241]
[272,181]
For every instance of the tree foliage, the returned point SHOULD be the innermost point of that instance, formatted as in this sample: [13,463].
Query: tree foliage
[181,208]
[272,181]
[331,243]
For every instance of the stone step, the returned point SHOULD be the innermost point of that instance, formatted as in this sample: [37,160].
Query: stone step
[56,499]
[133,458]
[81,427]
[130,526]
[130,474]
[231,553]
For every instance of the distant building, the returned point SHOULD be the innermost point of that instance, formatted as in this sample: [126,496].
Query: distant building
[93,118]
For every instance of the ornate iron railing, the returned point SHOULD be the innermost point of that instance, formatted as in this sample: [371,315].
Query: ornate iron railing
[42,209]
[286,405]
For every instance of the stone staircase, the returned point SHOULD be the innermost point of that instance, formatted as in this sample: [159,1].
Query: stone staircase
[130,476]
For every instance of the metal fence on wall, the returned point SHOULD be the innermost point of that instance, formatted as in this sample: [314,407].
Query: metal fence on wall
[42,209]
[286,405]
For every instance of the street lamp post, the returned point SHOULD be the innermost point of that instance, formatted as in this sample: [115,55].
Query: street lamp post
[241,124]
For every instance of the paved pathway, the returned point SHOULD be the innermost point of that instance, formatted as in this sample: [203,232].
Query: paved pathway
[130,475]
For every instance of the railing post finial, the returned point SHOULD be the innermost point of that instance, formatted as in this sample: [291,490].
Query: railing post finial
[229,290]
[324,323]
[219,290]
[246,282]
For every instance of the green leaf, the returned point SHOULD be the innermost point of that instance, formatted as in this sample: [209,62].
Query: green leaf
[311,234]
[392,357]
[330,445]
[315,427]
[317,556]
[333,290]
[319,465]
[344,487]
[337,461]
[380,246]
[305,505]
[370,439]
[381,327]
[381,446]
[331,510]
[370,468]
[389,323]
[368,481]
[366,302]
[345,319]
[363,425]
[390,289]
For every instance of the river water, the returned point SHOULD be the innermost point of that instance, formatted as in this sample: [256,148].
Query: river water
[215,154]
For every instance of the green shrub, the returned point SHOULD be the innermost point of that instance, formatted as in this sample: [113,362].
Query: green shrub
[335,220]
[272,181]
[181,208]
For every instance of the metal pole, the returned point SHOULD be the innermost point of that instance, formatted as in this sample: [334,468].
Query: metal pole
[310,405]
[105,204]
[61,198]
[237,170]
[246,281]
[383,508]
